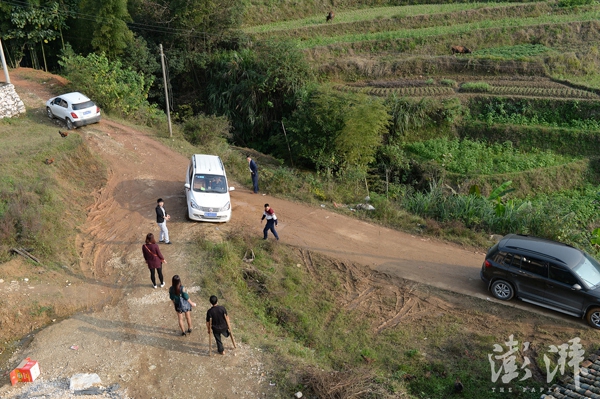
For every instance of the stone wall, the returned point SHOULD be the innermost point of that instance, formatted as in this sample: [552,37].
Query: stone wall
[10,102]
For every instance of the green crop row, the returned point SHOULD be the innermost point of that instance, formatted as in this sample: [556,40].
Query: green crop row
[543,92]
[400,91]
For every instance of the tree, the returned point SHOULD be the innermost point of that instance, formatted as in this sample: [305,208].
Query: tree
[32,25]
[338,132]
[111,35]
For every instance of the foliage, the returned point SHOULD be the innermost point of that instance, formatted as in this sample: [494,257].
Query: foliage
[475,87]
[568,141]
[337,131]
[111,35]
[571,113]
[469,157]
[115,88]
[567,216]
[256,88]
[410,118]
[203,130]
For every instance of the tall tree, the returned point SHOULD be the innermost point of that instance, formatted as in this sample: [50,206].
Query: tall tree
[111,34]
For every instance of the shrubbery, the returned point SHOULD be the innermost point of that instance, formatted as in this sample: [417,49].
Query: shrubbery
[114,88]
[475,87]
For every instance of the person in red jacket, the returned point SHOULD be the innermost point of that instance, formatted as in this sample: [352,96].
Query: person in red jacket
[154,259]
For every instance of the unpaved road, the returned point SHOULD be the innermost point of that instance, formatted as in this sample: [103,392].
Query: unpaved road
[136,342]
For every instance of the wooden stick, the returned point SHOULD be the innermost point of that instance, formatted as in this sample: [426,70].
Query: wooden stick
[230,333]
[24,254]
[209,339]
[30,255]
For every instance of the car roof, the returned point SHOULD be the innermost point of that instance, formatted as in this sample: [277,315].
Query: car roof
[564,253]
[74,97]
[209,164]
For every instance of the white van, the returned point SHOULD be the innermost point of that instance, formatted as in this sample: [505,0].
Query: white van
[206,189]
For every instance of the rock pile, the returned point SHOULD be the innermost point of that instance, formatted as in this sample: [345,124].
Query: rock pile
[10,102]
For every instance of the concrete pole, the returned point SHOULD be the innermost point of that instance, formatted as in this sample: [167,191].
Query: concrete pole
[162,62]
[4,67]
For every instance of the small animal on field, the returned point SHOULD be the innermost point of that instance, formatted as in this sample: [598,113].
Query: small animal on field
[49,161]
[460,50]
[367,360]
[63,134]
[458,386]
[329,16]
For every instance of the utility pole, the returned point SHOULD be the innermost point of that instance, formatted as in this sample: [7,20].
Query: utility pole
[4,67]
[162,62]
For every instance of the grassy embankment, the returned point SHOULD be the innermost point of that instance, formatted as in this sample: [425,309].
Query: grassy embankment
[42,205]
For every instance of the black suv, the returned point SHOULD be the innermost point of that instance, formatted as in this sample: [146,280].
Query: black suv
[546,273]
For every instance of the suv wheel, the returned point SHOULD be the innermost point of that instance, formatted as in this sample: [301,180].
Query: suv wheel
[69,124]
[593,317]
[504,291]
[49,112]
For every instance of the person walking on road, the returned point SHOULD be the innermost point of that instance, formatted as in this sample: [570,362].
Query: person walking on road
[161,219]
[269,214]
[154,259]
[183,305]
[218,320]
[253,173]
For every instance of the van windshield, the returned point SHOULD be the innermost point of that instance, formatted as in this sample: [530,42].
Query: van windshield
[588,271]
[210,184]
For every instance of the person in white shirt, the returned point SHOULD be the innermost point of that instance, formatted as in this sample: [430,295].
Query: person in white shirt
[161,219]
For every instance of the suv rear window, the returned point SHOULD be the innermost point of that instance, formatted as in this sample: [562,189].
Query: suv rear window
[84,105]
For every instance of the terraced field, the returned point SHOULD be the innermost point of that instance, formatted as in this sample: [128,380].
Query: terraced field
[500,86]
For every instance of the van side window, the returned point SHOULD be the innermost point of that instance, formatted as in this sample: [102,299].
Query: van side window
[535,266]
[562,276]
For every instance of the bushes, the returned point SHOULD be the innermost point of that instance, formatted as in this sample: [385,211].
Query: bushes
[574,142]
[114,88]
[545,112]
[203,130]
[569,216]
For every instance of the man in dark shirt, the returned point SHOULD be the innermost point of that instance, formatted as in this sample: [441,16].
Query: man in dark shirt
[217,317]
[253,173]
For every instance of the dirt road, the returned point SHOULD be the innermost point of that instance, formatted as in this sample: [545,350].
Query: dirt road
[140,334]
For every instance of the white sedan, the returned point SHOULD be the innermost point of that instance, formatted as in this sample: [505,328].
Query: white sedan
[74,109]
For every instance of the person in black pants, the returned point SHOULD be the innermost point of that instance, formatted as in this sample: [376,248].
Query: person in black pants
[217,318]
[253,173]
[269,214]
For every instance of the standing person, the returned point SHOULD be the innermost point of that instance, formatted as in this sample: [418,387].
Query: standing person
[154,259]
[269,214]
[217,318]
[253,173]
[161,219]
[183,305]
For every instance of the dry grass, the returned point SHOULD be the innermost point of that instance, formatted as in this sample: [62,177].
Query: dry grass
[352,384]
